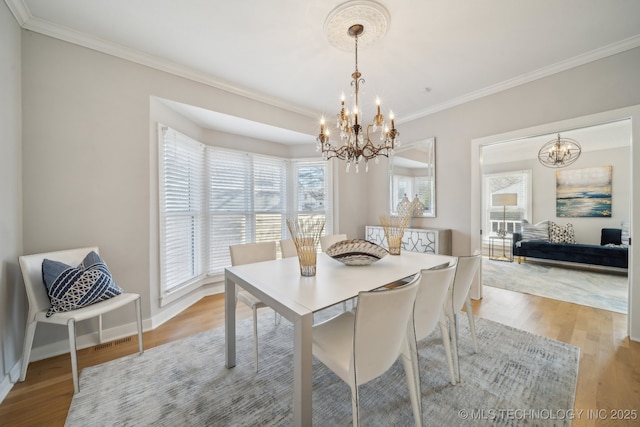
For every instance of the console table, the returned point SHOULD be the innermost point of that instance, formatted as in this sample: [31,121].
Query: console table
[425,240]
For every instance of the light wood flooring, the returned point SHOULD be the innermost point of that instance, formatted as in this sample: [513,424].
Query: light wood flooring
[608,381]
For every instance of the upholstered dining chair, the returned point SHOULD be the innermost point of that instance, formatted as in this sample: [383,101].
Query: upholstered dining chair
[40,305]
[428,311]
[248,253]
[466,269]
[288,248]
[327,241]
[362,345]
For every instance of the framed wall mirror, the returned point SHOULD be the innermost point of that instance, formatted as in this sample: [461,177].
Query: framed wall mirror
[412,172]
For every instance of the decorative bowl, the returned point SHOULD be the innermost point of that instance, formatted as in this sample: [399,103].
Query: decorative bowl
[356,252]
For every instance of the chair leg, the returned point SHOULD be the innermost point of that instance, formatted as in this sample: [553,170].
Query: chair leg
[453,333]
[139,321]
[26,352]
[74,356]
[412,371]
[100,329]
[355,405]
[255,337]
[472,323]
[446,342]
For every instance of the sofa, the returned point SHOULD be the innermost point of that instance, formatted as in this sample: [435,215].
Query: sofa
[610,253]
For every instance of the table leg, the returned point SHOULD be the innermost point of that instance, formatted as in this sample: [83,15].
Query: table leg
[302,370]
[229,322]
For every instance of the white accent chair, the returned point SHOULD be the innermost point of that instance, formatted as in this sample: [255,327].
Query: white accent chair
[248,253]
[39,304]
[327,241]
[361,346]
[288,248]
[428,311]
[466,269]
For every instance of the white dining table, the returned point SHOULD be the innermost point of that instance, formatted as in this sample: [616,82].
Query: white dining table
[278,284]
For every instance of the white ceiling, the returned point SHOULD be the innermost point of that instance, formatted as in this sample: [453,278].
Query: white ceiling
[435,54]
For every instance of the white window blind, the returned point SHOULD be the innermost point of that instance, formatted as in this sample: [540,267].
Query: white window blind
[247,201]
[211,198]
[181,209]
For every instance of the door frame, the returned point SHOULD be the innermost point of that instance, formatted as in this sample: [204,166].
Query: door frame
[633,113]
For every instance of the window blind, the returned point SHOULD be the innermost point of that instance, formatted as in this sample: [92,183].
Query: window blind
[181,213]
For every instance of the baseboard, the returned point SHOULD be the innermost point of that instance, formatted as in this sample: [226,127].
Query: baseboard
[8,380]
[91,339]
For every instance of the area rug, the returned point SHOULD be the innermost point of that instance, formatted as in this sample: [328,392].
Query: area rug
[608,291]
[516,378]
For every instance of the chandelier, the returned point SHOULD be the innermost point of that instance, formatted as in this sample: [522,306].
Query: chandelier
[559,152]
[355,136]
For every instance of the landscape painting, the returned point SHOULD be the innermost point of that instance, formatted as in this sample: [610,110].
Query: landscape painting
[584,192]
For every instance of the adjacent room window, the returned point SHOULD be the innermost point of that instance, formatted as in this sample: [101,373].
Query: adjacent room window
[518,182]
[211,198]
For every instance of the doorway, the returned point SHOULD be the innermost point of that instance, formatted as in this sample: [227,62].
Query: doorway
[480,160]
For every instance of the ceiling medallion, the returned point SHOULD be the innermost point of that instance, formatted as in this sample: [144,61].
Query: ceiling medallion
[369,14]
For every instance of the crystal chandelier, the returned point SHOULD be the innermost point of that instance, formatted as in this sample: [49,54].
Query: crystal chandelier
[357,146]
[559,152]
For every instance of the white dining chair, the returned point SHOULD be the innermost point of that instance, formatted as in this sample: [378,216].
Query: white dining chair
[288,248]
[327,241]
[428,311]
[362,345]
[466,269]
[248,253]
[39,304]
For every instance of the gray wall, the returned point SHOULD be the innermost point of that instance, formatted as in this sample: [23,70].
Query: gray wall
[12,297]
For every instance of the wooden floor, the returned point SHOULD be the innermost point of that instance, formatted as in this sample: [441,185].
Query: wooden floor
[608,382]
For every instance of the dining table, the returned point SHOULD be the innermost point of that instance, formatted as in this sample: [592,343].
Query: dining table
[279,284]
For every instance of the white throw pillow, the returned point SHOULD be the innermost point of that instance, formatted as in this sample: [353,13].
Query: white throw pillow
[535,232]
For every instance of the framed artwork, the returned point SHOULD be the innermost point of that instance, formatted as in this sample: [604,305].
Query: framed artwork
[584,192]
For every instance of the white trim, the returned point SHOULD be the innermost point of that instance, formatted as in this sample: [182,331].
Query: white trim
[104,46]
[576,61]
[27,21]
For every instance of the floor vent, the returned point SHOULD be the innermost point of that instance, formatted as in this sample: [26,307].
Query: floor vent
[112,343]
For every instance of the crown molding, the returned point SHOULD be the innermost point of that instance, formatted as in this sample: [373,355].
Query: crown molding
[576,61]
[47,28]
[26,20]
[19,10]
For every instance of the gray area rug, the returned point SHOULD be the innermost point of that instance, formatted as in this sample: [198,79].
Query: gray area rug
[516,378]
[591,288]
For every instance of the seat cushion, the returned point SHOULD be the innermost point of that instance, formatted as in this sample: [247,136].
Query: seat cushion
[70,288]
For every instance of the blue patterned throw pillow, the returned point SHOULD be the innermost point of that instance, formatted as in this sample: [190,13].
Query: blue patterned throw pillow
[70,288]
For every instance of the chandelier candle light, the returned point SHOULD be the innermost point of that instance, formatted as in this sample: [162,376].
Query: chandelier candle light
[357,146]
